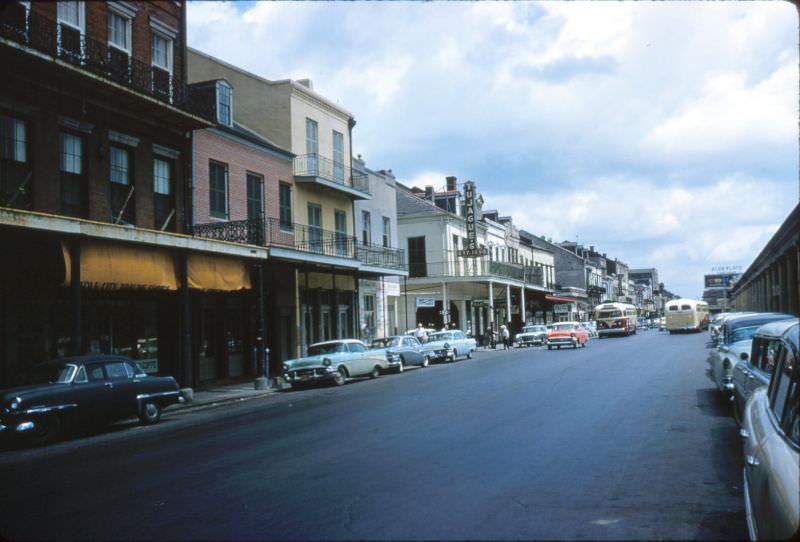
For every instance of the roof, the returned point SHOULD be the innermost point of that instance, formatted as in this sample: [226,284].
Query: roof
[89,358]
[410,204]
[777,329]
[757,319]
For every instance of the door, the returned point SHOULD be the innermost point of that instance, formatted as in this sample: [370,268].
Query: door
[121,390]
[314,228]
[312,146]
[341,233]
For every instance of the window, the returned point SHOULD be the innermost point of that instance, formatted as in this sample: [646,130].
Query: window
[119,160]
[224,103]
[71,154]
[12,139]
[338,157]
[119,31]
[340,218]
[218,189]
[369,313]
[70,30]
[311,136]
[366,228]
[161,58]
[161,177]
[285,205]
[163,202]
[116,371]
[417,266]
[315,227]
[255,196]
[71,12]
[386,231]
[782,384]
[356,347]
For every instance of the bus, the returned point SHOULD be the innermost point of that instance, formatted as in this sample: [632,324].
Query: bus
[686,315]
[615,319]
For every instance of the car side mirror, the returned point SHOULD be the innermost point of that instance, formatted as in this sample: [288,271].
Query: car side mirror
[743,356]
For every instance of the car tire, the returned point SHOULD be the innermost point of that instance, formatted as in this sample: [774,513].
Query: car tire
[375,373]
[46,430]
[150,413]
[469,354]
[340,376]
[401,367]
[549,347]
[426,361]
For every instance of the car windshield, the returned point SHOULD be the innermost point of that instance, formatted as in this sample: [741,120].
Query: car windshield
[51,373]
[385,343]
[743,334]
[615,313]
[563,327]
[441,336]
[533,329]
[329,348]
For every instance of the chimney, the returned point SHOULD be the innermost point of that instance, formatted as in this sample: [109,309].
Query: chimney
[306,83]
[429,193]
[591,248]
[451,184]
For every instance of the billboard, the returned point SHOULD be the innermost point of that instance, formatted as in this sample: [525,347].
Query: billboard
[721,280]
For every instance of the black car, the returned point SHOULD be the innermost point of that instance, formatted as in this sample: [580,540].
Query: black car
[401,351]
[82,391]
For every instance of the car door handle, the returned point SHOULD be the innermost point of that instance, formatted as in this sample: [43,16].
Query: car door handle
[109,384]
[750,375]
[743,433]
[751,460]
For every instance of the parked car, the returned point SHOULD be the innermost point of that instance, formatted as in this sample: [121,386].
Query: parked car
[753,372]
[334,361]
[771,433]
[662,324]
[449,345]
[566,334]
[81,391]
[715,325]
[401,351]
[533,335]
[591,329]
[736,335]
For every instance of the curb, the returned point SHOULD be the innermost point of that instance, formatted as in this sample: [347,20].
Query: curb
[193,407]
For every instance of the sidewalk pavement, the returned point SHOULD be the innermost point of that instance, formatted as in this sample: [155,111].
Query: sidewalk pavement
[225,393]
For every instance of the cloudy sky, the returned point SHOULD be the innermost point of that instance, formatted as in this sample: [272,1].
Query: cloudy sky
[663,133]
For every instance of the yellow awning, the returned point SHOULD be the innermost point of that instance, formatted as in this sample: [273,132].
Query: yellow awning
[106,266]
[220,274]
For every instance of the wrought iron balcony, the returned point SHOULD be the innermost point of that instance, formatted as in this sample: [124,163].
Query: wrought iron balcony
[272,232]
[483,268]
[60,41]
[314,165]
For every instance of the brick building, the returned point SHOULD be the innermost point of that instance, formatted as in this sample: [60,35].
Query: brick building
[95,157]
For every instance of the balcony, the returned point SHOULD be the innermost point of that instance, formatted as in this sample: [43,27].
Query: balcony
[270,232]
[480,268]
[22,28]
[317,169]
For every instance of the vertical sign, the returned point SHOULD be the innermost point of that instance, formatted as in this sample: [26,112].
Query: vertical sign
[471,250]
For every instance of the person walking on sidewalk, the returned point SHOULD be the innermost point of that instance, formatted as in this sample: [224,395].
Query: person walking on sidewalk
[420,333]
[506,335]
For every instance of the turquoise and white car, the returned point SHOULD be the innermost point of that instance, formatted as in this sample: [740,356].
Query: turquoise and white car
[334,360]
[450,345]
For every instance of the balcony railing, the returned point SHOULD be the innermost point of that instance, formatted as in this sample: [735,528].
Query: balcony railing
[58,40]
[478,267]
[314,165]
[272,233]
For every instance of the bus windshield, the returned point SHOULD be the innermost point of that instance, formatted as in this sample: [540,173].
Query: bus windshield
[614,313]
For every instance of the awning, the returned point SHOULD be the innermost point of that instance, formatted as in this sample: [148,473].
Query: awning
[106,266]
[220,274]
[558,299]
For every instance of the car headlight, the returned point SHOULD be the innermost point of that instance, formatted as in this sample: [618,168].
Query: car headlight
[285,368]
[15,403]
[326,362]
[572,335]
[446,346]
[389,356]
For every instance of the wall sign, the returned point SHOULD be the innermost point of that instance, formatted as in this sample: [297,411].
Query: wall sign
[426,302]
[471,250]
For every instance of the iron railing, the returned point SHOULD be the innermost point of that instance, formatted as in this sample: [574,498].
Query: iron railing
[314,165]
[274,233]
[477,267]
[58,40]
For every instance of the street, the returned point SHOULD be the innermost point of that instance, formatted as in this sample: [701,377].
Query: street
[625,439]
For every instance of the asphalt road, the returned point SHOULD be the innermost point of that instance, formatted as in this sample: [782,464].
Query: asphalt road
[625,439]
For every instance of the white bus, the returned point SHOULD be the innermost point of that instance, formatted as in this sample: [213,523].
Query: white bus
[686,315]
[615,319]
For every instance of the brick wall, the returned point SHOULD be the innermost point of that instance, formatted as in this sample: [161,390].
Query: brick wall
[240,160]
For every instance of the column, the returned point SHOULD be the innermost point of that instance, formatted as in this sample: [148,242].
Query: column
[491,305]
[508,305]
[522,305]
[186,370]
[445,305]
[75,289]
[462,316]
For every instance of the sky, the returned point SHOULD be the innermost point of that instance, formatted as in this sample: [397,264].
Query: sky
[664,134]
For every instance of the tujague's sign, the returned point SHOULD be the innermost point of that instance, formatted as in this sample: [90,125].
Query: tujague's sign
[471,250]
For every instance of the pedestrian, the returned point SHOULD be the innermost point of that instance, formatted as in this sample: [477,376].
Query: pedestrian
[444,327]
[420,333]
[492,338]
[506,335]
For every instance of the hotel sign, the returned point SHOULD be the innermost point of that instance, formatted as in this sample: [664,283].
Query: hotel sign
[471,250]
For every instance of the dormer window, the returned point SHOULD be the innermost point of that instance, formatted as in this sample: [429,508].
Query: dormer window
[224,103]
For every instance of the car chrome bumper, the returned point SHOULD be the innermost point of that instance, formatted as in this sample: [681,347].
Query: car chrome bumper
[612,331]
[308,375]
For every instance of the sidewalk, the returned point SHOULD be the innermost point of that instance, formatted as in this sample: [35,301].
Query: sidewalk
[223,393]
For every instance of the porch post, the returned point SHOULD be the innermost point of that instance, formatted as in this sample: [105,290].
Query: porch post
[445,305]
[508,304]
[186,325]
[522,305]
[491,305]
[76,339]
